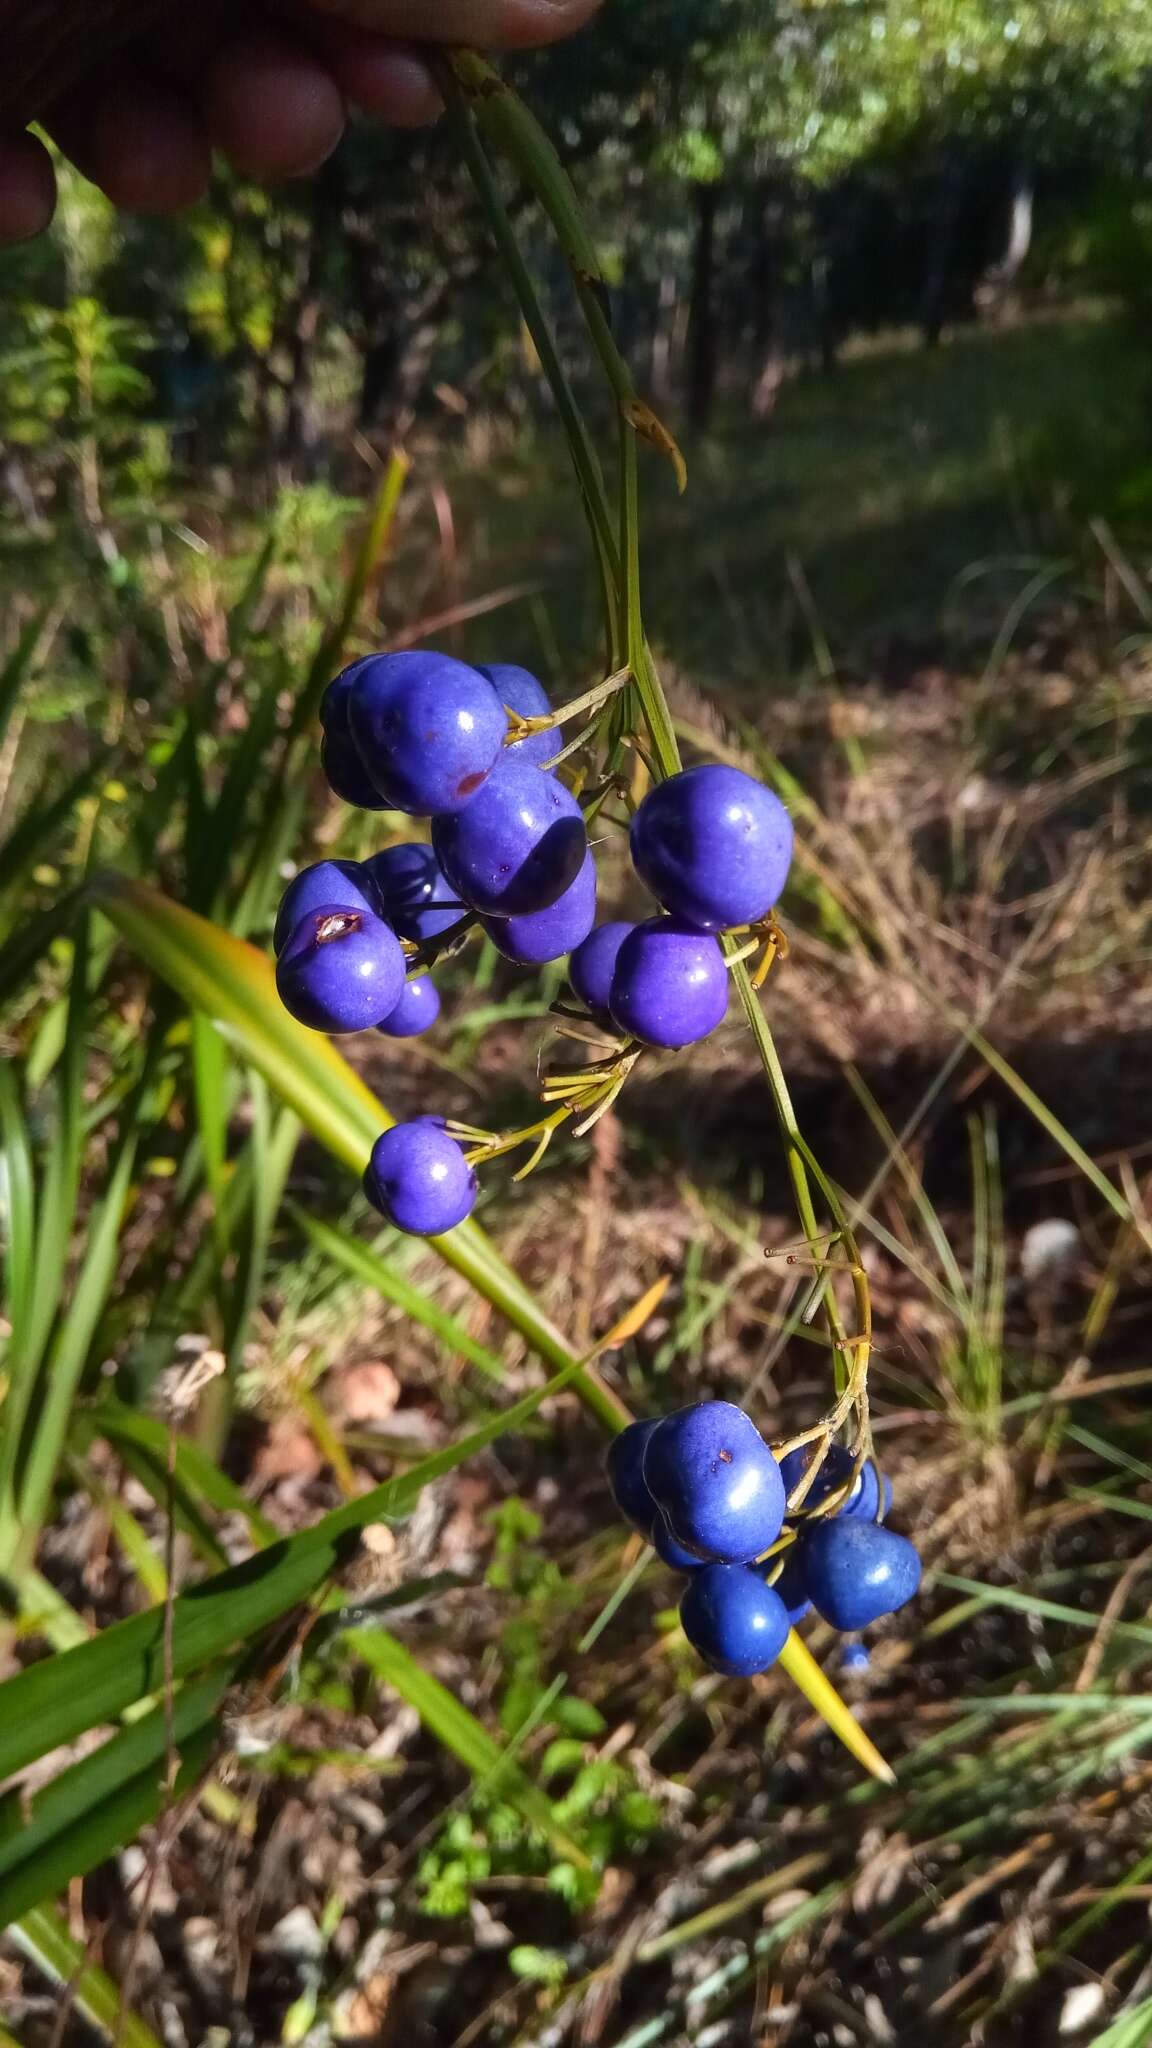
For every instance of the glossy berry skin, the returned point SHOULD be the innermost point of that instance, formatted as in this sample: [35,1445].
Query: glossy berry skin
[592,966]
[670,1552]
[791,1584]
[416,1011]
[854,1657]
[716,1482]
[428,729]
[326,881]
[835,1470]
[414,895]
[856,1571]
[519,690]
[340,970]
[347,776]
[519,844]
[713,845]
[733,1620]
[670,984]
[624,1464]
[548,934]
[419,1179]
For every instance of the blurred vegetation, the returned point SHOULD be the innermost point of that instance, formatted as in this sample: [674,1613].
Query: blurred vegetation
[886,269]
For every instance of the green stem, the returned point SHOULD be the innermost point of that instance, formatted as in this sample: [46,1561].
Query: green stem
[580,446]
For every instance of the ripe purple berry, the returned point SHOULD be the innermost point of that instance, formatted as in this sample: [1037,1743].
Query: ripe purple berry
[733,1620]
[326,881]
[791,1585]
[340,970]
[519,690]
[548,934]
[671,1553]
[417,1009]
[428,729]
[625,1467]
[864,1499]
[625,1463]
[347,776]
[415,897]
[670,985]
[592,966]
[716,1482]
[419,1179]
[519,844]
[856,1571]
[713,845]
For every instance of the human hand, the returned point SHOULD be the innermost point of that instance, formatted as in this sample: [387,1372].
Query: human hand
[138,96]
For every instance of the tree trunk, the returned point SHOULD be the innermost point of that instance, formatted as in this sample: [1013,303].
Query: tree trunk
[702,308]
[941,243]
[996,285]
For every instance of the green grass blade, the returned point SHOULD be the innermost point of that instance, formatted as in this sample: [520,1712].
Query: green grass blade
[88,1810]
[52,1702]
[330,654]
[61,1178]
[211,1086]
[367,1265]
[41,821]
[42,1936]
[69,1351]
[19,1271]
[459,1731]
[272,1147]
[15,669]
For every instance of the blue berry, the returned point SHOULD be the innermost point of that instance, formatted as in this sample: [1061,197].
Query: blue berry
[518,846]
[625,1462]
[733,1620]
[326,881]
[428,729]
[417,1009]
[672,1553]
[340,970]
[856,1571]
[592,966]
[791,1584]
[716,1482]
[519,690]
[854,1657]
[713,845]
[835,1470]
[670,985]
[625,1467]
[548,934]
[347,776]
[416,899]
[419,1179]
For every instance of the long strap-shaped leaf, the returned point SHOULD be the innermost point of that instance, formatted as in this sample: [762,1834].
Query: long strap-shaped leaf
[43,1937]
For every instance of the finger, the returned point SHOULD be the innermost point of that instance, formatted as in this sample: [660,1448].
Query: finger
[393,84]
[138,139]
[273,109]
[480,24]
[27,188]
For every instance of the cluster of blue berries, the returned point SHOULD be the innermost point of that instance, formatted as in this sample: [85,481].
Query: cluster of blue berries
[713,1500]
[470,749]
